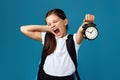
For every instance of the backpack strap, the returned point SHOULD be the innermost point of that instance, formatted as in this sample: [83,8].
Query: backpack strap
[72,52]
[43,57]
[40,75]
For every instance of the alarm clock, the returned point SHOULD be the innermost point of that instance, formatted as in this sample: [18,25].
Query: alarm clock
[90,31]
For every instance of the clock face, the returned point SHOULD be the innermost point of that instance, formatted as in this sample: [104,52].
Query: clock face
[91,32]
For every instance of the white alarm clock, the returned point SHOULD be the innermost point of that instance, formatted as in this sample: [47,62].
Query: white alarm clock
[90,31]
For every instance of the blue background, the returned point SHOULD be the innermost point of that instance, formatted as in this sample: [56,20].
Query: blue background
[20,55]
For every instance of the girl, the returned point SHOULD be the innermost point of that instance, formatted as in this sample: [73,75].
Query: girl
[58,64]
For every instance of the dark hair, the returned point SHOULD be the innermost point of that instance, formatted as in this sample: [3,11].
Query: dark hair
[50,41]
[57,12]
[50,44]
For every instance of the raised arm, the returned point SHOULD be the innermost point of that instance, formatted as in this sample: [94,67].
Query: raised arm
[79,35]
[34,31]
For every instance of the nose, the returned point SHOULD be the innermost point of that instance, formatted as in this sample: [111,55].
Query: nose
[53,25]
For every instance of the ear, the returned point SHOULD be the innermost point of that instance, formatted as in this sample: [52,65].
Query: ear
[66,21]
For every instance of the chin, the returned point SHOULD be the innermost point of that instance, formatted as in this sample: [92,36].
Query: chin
[60,36]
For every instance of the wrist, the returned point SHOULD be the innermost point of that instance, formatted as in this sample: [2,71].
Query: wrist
[47,29]
[43,28]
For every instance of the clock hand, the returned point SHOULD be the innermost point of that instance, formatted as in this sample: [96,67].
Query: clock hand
[91,31]
[88,31]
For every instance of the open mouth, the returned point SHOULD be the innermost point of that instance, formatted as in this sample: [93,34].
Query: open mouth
[56,31]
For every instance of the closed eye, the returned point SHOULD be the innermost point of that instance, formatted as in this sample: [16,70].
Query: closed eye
[55,21]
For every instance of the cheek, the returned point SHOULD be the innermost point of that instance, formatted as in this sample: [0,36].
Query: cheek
[63,28]
[61,25]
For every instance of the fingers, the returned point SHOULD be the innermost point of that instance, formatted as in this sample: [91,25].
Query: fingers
[89,18]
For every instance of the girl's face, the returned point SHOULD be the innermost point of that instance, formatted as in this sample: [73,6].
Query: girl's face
[57,25]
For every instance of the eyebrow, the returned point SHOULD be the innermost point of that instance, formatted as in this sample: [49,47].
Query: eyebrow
[58,19]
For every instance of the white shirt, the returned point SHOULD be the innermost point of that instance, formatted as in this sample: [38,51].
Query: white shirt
[59,63]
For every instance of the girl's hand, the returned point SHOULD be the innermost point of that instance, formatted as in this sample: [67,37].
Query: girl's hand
[48,28]
[89,18]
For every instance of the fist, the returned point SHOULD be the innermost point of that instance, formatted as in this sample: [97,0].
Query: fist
[89,18]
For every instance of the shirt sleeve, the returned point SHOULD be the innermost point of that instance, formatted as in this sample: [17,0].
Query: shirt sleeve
[43,37]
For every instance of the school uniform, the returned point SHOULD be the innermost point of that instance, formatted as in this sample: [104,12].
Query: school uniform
[59,65]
